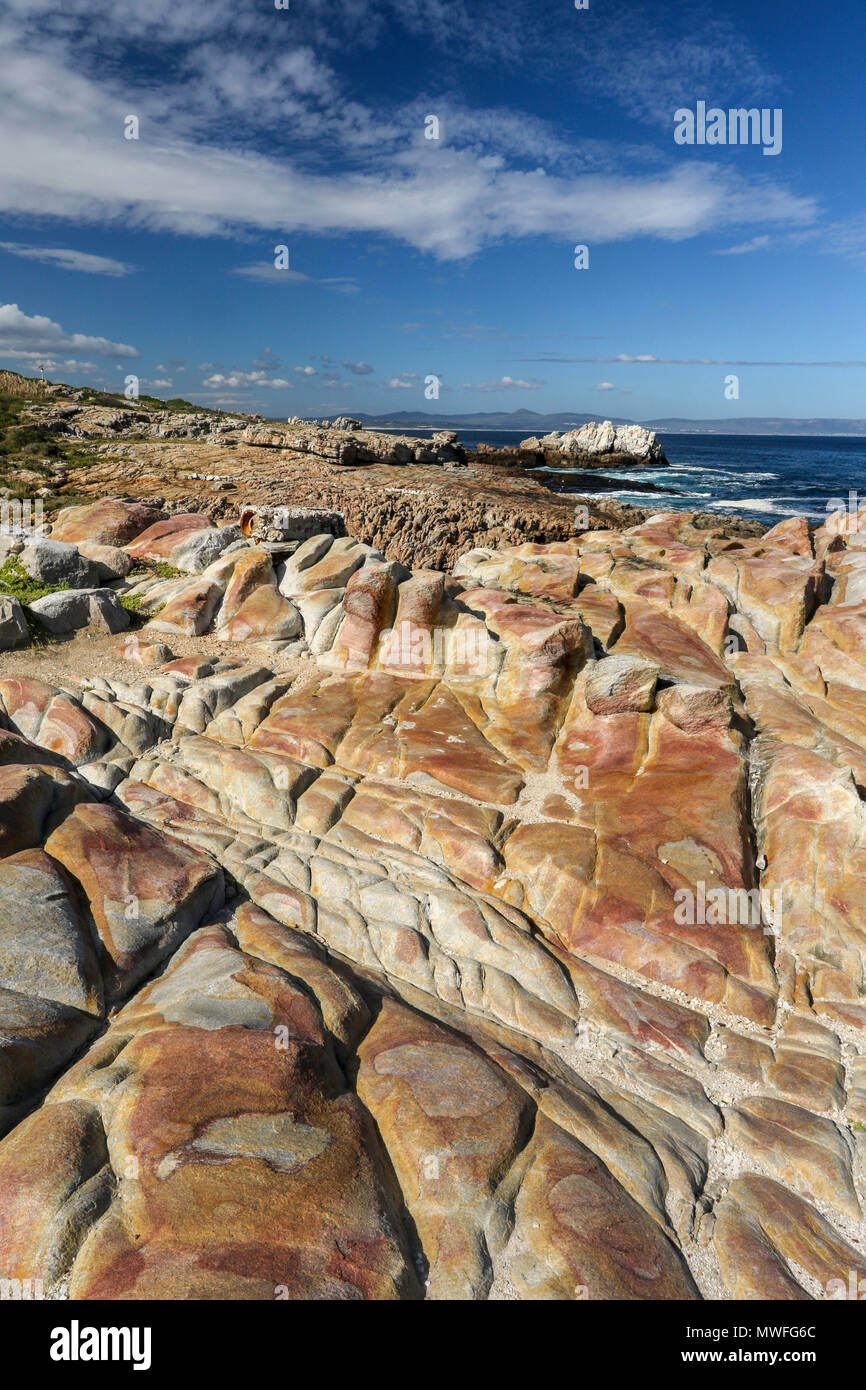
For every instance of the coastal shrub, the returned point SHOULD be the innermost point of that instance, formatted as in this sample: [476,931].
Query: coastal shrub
[15,581]
[146,569]
[132,603]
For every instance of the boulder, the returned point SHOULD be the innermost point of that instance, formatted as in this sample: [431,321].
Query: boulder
[58,563]
[200,548]
[75,608]
[13,624]
[107,522]
[109,562]
[159,540]
[145,653]
[620,684]
[190,611]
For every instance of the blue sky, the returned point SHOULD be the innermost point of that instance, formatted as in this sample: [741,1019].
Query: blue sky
[305,127]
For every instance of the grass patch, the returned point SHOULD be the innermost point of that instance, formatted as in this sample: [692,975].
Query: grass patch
[148,569]
[15,581]
[36,446]
[132,604]
[40,637]
[137,616]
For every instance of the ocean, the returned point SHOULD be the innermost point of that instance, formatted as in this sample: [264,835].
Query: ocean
[768,477]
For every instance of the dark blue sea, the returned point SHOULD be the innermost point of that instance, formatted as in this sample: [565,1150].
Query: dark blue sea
[766,477]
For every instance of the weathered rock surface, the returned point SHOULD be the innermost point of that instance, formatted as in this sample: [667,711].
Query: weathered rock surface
[600,441]
[511,948]
[73,608]
[353,446]
[13,624]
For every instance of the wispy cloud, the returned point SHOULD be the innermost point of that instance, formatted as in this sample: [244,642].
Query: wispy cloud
[52,365]
[66,259]
[268,272]
[505,383]
[200,167]
[648,360]
[757,243]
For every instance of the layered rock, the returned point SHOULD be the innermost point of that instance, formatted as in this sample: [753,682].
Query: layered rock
[350,447]
[605,442]
[511,949]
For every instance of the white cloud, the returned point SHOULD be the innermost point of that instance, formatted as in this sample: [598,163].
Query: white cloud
[359,368]
[757,243]
[647,359]
[305,371]
[247,380]
[193,173]
[68,260]
[268,272]
[505,383]
[21,334]
[51,364]
[403,383]
[605,386]
[451,207]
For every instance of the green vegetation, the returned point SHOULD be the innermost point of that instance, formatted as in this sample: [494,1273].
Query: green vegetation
[15,580]
[40,637]
[104,398]
[132,604]
[137,617]
[177,404]
[33,443]
[36,448]
[68,499]
[146,569]
[38,452]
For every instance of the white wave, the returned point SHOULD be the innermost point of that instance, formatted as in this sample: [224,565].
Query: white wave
[745,477]
[760,504]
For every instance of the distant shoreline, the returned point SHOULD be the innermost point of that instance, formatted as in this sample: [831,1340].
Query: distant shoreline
[421,430]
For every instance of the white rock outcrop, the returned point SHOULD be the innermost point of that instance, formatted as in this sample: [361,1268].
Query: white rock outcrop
[604,438]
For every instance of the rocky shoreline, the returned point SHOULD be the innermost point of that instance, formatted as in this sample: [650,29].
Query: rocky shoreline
[492,931]
[419,882]
[422,502]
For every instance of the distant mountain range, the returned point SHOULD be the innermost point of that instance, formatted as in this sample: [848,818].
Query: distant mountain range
[529,422]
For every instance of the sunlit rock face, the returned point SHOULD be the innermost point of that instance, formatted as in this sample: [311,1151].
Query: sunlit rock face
[509,947]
